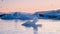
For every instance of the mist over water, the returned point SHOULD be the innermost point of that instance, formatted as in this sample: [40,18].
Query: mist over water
[13,27]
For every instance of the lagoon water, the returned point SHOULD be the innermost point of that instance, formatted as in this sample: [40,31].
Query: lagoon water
[13,27]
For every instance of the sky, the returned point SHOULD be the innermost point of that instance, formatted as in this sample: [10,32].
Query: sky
[29,6]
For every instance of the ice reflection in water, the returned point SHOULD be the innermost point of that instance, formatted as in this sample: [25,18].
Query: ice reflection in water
[33,25]
[11,27]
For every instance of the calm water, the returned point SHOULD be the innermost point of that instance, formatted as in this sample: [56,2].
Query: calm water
[13,27]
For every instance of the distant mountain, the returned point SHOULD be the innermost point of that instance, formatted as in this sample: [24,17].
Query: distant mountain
[18,15]
[2,14]
[53,14]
